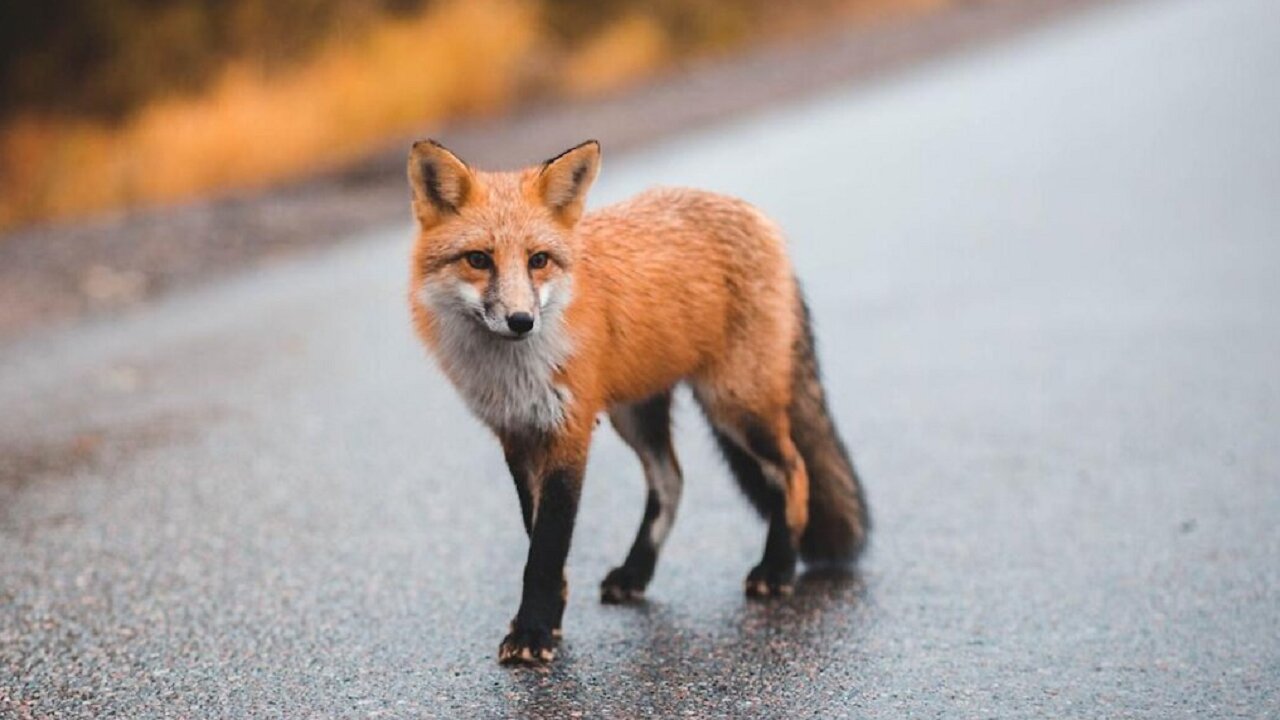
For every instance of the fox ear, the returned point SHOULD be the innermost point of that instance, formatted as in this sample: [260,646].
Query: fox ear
[564,180]
[441,182]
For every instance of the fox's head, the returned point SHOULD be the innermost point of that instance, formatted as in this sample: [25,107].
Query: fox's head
[496,247]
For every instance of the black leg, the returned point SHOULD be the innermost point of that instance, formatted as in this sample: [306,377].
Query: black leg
[532,636]
[646,428]
[775,573]
[628,580]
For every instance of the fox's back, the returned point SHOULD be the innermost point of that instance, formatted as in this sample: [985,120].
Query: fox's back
[684,278]
[664,227]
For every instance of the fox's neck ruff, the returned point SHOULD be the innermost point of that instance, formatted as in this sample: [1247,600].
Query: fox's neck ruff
[509,384]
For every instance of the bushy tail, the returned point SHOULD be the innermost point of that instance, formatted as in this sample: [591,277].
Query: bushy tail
[838,520]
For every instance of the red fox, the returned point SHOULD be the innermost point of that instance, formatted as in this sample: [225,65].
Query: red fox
[543,317]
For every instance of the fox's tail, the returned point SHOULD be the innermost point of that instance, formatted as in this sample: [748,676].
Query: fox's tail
[838,520]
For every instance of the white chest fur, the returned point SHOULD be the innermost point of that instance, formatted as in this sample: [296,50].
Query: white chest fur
[507,384]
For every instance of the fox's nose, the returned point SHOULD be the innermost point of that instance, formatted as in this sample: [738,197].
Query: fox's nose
[520,323]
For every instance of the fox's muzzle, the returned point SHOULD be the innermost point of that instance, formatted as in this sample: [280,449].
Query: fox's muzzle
[511,307]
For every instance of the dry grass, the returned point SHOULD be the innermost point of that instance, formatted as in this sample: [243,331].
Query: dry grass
[250,128]
[630,49]
[460,57]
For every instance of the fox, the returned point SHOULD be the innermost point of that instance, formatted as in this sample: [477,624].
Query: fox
[545,317]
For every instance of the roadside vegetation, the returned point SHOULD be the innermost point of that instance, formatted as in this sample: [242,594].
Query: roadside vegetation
[116,103]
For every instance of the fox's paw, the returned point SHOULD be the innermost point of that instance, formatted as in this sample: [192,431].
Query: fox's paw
[765,581]
[621,585]
[528,646]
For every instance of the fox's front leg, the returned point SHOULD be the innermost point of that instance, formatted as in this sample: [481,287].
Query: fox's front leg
[520,457]
[548,478]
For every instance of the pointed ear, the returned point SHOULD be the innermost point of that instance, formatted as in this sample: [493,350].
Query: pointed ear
[441,182]
[564,180]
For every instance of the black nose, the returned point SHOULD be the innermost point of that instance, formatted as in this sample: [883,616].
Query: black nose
[520,323]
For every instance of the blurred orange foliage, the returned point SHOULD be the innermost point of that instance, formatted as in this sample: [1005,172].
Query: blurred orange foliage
[253,128]
[359,89]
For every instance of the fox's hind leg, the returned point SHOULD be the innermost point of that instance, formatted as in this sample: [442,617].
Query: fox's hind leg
[646,427]
[757,446]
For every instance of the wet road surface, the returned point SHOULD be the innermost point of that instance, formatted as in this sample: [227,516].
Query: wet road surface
[1044,282]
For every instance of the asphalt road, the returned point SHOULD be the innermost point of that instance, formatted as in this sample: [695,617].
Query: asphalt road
[1044,276]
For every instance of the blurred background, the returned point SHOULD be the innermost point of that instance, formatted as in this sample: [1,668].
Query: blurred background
[145,145]
[118,103]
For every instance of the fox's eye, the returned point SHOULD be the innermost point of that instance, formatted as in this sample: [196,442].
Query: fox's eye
[538,260]
[479,260]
